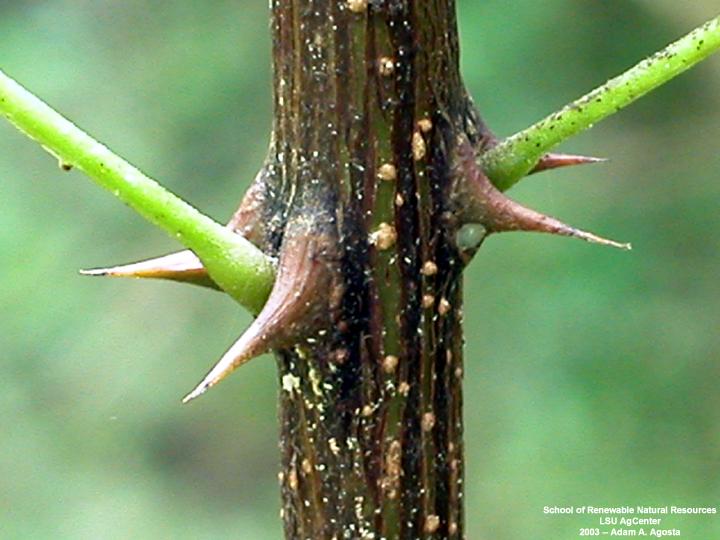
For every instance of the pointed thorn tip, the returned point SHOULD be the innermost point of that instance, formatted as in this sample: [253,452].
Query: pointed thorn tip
[198,391]
[592,159]
[182,266]
[94,272]
[556,161]
[593,238]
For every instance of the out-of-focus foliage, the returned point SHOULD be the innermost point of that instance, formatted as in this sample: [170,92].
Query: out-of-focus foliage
[591,374]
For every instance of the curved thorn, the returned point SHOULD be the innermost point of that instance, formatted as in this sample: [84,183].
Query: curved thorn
[182,266]
[557,161]
[298,301]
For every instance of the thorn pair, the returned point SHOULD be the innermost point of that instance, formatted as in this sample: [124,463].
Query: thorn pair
[297,304]
[476,200]
[292,309]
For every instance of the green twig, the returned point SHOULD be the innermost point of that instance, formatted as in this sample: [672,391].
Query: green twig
[517,155]
[237,266]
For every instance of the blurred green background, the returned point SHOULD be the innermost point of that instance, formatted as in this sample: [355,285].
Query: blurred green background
[591,374]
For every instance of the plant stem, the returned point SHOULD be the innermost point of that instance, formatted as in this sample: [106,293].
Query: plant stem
[237,266]
[506,163]
[371,431]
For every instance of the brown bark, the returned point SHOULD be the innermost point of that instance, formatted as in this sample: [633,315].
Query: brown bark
[368,105]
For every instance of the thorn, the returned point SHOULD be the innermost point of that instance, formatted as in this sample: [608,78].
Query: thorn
[181,266]
[197,392]
[184,266]
[525,219]
[556,161]
[481,202]
[248,219]
[297,304]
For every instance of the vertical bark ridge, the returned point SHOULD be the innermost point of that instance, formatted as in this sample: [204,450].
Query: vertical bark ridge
[368,104]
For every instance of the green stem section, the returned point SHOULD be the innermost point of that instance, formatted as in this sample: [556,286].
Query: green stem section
[514,157]
[237,266]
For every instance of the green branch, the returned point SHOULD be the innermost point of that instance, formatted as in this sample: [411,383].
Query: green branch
[517,155]
[237,266]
